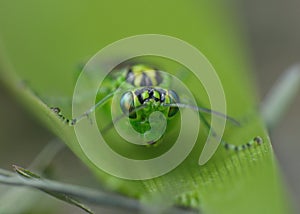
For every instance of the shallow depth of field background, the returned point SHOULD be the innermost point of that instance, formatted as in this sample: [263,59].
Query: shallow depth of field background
[272,33]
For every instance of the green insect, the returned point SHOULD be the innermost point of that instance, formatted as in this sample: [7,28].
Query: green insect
[146,91]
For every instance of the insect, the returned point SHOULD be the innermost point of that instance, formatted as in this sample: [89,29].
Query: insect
[146,91]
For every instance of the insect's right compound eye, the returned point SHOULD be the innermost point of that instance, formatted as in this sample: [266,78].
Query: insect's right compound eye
[174,98]
[127,105]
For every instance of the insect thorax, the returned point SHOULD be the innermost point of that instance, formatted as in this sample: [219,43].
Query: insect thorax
[142,75]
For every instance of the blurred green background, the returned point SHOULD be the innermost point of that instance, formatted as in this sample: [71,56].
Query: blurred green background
[270,30]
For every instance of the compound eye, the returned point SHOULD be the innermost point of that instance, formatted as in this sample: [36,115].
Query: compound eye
[174,98]
[127,105]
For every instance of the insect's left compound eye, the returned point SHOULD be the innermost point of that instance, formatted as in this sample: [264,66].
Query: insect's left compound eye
[127,104]
[174,98]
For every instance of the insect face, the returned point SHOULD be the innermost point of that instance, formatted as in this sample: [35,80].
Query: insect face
[140,103]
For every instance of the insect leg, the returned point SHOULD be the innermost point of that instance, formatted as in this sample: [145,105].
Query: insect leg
[256,140]
[86,114]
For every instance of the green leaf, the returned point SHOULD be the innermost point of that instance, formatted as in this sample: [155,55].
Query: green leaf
[45,42]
